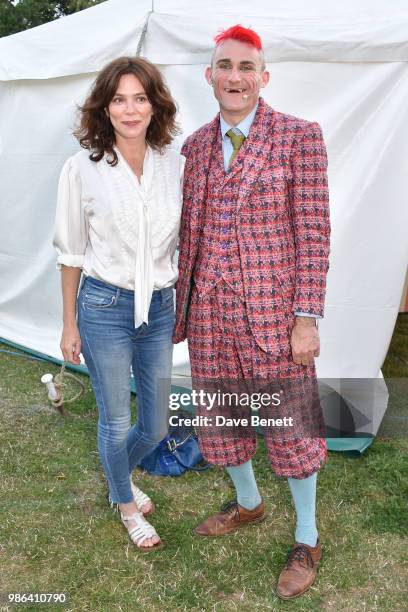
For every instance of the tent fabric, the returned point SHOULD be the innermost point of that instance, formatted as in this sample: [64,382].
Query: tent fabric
[344,66]
[184,41]
[178,34]
[78,44]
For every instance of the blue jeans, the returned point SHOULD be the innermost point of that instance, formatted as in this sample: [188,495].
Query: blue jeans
[111,346]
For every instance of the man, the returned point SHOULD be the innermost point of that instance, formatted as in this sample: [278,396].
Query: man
[253,261]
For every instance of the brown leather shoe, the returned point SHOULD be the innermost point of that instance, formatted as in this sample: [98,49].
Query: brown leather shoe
[300,570]
[231,517]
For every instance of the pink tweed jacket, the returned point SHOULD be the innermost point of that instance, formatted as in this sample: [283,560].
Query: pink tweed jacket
[283,225]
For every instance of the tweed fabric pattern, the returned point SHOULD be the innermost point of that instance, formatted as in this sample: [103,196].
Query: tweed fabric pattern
[282,222]
[226,350]
[218,254]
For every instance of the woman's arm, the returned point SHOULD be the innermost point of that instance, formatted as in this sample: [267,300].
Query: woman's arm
[70,239]
[70,340]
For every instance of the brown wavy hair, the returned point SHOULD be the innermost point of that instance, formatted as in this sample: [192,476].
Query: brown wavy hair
[95,131]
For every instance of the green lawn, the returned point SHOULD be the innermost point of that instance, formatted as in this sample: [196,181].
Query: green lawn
[59,535]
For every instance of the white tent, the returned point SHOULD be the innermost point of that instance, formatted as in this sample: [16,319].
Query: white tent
[342,64]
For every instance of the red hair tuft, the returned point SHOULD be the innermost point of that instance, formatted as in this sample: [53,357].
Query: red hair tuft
[238,32]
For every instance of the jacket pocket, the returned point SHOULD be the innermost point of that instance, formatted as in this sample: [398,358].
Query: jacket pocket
[286,280]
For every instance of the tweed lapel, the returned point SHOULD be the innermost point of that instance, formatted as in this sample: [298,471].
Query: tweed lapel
[202,156]
[255,150]
[217,159]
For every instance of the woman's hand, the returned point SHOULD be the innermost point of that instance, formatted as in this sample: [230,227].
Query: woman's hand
[71,344]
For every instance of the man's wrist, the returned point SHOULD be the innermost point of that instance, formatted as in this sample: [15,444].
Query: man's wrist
[305,321]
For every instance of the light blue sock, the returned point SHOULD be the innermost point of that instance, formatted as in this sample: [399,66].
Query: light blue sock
[304,496]
[245,485]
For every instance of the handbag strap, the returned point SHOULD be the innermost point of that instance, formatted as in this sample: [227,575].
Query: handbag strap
[173,445]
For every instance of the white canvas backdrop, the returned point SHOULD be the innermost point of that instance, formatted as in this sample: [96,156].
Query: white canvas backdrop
[344,67]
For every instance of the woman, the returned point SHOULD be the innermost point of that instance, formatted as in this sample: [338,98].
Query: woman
[118,215]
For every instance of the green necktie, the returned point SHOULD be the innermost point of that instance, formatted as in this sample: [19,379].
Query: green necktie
[237,141]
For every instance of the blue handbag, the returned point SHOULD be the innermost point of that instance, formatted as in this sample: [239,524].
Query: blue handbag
[175,454]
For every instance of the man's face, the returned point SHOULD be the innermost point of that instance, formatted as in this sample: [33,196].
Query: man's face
[236,75]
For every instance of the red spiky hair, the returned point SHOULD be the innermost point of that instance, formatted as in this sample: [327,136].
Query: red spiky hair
[238,32]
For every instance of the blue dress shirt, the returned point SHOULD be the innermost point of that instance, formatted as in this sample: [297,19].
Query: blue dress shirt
[242,128]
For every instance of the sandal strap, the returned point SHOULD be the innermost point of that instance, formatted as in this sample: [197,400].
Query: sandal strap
[140,498]
[142,531]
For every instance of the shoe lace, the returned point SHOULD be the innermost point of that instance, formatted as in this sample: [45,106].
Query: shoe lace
[230,507]
[301,554]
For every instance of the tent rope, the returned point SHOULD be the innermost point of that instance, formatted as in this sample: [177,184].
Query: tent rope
[59,382]
[143,34]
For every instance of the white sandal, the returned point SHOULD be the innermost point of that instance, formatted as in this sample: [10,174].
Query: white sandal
[142,532]
[140,498]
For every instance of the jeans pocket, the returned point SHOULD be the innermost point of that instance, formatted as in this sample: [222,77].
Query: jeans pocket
[96,301]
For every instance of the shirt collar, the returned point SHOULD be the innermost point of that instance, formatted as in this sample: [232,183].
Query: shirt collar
[244,126]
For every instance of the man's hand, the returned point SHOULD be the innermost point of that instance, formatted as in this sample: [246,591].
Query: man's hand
[305,341]
[71,344]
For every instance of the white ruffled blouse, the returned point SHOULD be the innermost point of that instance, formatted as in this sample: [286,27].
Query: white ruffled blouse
[118,230]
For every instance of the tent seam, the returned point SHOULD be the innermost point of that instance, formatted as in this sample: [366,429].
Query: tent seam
[143,35]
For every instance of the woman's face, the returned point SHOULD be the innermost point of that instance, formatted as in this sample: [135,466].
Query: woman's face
[130,111]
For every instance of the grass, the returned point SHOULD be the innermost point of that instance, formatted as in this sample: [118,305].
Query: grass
[58,534]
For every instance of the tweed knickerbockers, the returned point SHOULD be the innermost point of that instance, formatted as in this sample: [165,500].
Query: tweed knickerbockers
[222,348]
